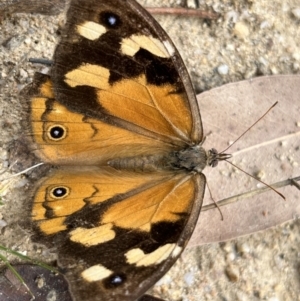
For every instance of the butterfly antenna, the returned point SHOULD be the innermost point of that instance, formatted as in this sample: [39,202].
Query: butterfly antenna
[257,179]
[250,128]
[215,156]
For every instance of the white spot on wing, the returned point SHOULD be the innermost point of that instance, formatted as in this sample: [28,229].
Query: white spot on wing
[91,30]
[169,48]
[177,251]
[139,258]
[89,75]
[93,236]
[130,46]
[96,273]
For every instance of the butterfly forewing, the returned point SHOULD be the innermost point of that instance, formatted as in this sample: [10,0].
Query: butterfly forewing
[117,64]
[119,110]
[64,137]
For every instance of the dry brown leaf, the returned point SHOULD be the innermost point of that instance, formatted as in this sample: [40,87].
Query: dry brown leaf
[271,151]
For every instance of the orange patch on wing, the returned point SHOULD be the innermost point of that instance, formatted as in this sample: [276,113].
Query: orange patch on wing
[165,201]
[52,226]
[86,186]
[174,108]
[87,141]
[46,89]
[159,109]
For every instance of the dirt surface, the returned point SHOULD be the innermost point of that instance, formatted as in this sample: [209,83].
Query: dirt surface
[249,39]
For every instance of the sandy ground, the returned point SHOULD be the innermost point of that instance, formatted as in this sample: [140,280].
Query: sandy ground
[251,38]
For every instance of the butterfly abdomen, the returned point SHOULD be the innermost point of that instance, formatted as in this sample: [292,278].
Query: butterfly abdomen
[139,163]
[190,159]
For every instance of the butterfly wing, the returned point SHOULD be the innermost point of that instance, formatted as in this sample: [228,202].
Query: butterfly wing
[67,137]
[116,232]
[118,89]
[115,63]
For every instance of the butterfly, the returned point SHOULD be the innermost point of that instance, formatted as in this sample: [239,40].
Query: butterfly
[119,119]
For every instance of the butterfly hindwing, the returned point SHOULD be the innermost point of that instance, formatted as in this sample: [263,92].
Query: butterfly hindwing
[116,229]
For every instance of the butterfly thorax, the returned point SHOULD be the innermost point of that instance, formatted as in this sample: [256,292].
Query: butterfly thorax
[193,158]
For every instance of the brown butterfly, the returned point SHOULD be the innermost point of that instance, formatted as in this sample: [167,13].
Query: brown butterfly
[119,116]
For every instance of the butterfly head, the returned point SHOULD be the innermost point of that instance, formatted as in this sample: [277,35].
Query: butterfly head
[213,157]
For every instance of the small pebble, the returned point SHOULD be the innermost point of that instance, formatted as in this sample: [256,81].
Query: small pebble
[241,30]
[52,295]
[27,41]
[264,25]
[241,296]
[5,164]
[296,12]
[263,61]
[243,248]
[231,16]
[20,183]
[227,247]
[14,42]
[230,256]
[273,299]
[232,273]
[164,280]
[23,73]
[283,143]
[3,154]
[223,69]
[261,174]
[296,66]
[191,4]
[40,281]
[3,223]
[274,70]
[189,278]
